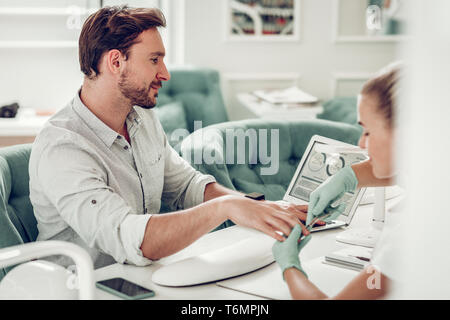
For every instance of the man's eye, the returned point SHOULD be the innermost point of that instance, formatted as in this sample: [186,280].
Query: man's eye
[366,134]
[155,60]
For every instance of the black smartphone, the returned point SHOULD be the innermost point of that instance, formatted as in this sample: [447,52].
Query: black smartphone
[125,289]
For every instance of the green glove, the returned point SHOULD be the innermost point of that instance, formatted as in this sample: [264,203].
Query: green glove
[331,190]
[286,252]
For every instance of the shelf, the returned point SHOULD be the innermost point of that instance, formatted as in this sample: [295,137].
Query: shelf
[381,38]
[37,44]
[47,11]
[22,126]
[266,110]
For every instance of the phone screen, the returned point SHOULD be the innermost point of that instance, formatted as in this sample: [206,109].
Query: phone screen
[125,288]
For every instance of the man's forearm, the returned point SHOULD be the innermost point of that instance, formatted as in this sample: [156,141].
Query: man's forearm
[364,174]
[214,190]
[166,234]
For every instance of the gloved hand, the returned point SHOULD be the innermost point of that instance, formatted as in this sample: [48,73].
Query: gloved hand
[286,252]
[328,192]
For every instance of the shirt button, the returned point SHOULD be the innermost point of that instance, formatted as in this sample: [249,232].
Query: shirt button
[119,137]
[126,147]
[140,175]
[94,201]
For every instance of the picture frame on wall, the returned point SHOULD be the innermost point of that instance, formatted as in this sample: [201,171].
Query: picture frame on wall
[262,20]
[369,21]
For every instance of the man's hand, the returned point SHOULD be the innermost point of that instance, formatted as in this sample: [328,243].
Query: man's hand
[300,211]
[266,216]
[286,253]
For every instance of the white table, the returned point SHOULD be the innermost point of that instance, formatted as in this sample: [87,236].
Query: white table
[21,129]
[321,244]
[267,110]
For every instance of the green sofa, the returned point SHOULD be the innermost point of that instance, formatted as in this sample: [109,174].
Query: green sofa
[192,94]
[246,175]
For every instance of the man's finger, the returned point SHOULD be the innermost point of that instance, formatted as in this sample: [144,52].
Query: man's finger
[279,225]
[288,217]
[305,231]
[270,231]
[301,207]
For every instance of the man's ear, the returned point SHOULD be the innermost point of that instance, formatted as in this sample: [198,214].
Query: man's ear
[114,61]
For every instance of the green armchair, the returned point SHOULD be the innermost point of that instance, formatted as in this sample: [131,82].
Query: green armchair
[17,222]
[192,94]
[253,167]
[342,109]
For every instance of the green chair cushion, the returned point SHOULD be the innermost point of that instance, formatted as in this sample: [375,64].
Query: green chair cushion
[200,92]
[342,109]
[172,117]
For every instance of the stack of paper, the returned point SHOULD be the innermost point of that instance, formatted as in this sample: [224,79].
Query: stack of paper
[292,95]
[356,258]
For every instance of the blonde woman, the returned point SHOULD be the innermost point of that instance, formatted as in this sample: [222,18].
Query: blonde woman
[376,105]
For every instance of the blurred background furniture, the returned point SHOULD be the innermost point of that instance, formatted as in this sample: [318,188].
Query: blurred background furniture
[266,110]
[192,94]
[341,109]
[17,222]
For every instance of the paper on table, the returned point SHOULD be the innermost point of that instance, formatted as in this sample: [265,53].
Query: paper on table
[268,282]
[290,95]
[354,258]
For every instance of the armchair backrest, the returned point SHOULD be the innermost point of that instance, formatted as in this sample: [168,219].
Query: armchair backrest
[17,222]
[293,138]
[199,91]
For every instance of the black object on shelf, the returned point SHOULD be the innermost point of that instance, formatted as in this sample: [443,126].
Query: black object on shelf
[9,111]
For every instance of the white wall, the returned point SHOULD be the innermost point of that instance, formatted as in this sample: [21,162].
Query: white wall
[315,58]
[39,78]
[43,78]
[47,78]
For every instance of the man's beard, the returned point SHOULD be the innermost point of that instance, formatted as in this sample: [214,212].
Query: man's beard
[137,96]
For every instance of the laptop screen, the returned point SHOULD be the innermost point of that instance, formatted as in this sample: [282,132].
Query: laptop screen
[317,168]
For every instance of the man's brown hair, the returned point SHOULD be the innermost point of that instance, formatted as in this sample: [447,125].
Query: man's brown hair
[110,28]
[384,87]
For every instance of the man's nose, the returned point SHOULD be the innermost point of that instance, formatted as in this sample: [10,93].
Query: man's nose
[164,74]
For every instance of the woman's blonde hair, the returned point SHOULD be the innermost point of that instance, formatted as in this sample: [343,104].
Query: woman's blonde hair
[384,86]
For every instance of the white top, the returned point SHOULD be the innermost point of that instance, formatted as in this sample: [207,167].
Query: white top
[387,253]
[89,186]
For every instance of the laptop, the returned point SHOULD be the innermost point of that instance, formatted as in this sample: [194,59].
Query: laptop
[314,168]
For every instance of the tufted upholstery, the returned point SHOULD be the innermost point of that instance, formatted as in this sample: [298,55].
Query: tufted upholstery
[199,91]
[17,222]
[294,137]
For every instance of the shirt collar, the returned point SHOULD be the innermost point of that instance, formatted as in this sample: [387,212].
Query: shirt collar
[134,120]
[105,133]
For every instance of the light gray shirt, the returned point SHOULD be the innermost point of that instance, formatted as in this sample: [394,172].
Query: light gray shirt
[89,186]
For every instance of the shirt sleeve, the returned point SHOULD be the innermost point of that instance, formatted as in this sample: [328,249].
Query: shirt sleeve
[75,183]
[184,187]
